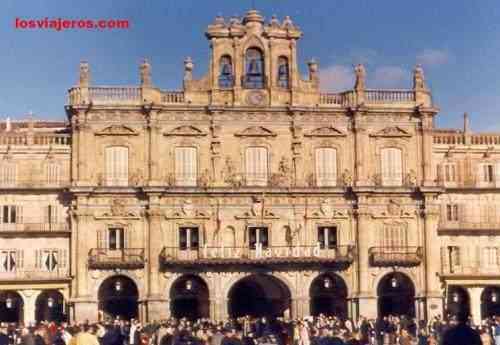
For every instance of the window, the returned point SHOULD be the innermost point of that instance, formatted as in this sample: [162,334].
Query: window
[226,79]
[450,173]
[490,256]
[258,235]
[452,212]
[53,173]
[283,73]
[327,237]
[392,170]
[52,214]
[189,237]
[394,236]
[117,166]
[50,260]
[454,255]
[487,173]
[8,260]
[10,214]
[256,166]
[254,69]
[326,167]
[8,171]
[116,238]
[186,166]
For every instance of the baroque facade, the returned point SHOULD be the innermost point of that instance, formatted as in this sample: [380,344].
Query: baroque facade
[248,192]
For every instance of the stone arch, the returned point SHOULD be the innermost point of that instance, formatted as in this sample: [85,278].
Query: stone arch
[118,296]
[396,293]
[189,297]
[328,293]
[99,279]
[50,306]
[11,306]
[490,302]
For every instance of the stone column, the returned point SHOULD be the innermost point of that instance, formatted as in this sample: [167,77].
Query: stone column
[360,147]
[475,303]
[29,307]
[154,169]
[427,130]
[432,255]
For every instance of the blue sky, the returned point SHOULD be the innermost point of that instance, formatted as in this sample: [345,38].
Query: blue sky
[457,41]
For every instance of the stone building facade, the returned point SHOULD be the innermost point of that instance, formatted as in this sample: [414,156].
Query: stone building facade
[248,192]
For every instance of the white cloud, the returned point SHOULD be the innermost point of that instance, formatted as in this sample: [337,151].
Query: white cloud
[390,77]
[433,57]
[336,78]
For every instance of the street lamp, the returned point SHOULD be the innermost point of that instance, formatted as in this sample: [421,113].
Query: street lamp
[455,297]
[327,283]
[394,282]
[9,303]
[118,286]
[50,302]
[189,285]
[494,297]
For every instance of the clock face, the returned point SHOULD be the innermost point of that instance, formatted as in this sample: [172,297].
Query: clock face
[256,98]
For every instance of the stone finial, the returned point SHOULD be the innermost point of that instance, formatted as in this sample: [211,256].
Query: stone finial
[360,73]
[188,68]
[31,121]
[274,22]
[418,78]
[145,70]
[219,20]
[466,123]
[253,16]
[313,69]
[287,22]
[84,74]
[234,20]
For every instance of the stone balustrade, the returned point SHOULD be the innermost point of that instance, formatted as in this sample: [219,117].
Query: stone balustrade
[389,96]
[33,138]
[461,138]
[172,97]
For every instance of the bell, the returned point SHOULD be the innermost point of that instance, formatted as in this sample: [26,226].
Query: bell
[282,71]
[253,68]
[226,69]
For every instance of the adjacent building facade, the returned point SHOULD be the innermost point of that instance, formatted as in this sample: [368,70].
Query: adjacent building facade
[248,192]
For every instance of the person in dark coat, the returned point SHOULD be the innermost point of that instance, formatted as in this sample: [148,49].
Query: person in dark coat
[4,339]
[461,333]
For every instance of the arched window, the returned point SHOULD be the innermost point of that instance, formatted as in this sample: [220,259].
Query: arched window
[283,72]
[392,167]
[117,166]
[226,78]
[254,69]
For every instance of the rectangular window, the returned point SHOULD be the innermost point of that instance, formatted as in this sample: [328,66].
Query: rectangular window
[53,173]
[117,166]
[394,236]
[50,259]
[116,238]
[189,237]
[256,166]
[490,256]
[392,167]
[450,173]
[452,212]
[488,173]
[8,174]
[10,214]
[326,167]
[327,237]
[8,260]
[258,235]
[454,255]
[186,166]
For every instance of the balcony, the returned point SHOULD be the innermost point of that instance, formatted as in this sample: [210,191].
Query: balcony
[341,256]
[463,226]
[395,256]
[16,229]
[128,258]
[35,275]
[33,183]
[470,261]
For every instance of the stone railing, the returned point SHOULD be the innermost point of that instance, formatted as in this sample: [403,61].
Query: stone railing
[27,138]
[12,228]
[395,256]
[462,225]
[452,138]
[127,258]
[344,99]
[260,255]
[114,94]
[466,265]
[485,139]
[389,96]
[172,97]
[461,138]
[35,274]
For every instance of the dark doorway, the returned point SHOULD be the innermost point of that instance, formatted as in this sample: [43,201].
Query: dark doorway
[259,295]
[50,306]
[118,298]
[328,296]
[458,300]
[189,298]
[396,295]
[11,307]
[490,302]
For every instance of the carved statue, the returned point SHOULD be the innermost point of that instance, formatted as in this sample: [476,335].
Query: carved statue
[418,78]
[118,207]
[284,176]
[205,180]
[230,176]
[188,68]
[84,73]
[393,208]
[347,178]
[360,73]
[411,178]
[188,208]
[257,206]
[145,73]
[137,179]
[326,207]
[287,23]
[219,21]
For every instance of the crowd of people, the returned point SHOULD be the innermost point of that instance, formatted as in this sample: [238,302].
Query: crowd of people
[320,330]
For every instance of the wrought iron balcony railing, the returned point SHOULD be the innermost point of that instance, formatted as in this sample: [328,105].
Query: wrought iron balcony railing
[395,256]
[127,258]
[271,255]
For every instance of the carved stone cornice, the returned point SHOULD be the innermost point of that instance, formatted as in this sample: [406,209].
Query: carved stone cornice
[391,132]
[186,131]
[256,131]
[188,212]
[328,131]
[118,130]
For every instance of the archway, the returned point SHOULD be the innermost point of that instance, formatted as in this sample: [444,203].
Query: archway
[189,298]
[490,302]
[458,300]
[328,296]
[50,306]
[11,307]
[118,298]
[259,295]
[396,295]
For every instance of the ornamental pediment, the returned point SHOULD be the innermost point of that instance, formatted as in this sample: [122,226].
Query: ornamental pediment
[391,132]
[394,210]
[256,131]
[118,210]
[327,131]
[117,130]
[326,211]
[186,131]
[188,211]
[257,211]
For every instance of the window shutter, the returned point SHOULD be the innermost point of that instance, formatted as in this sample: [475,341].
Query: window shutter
[100,239]
[256,166]
[186,166]
[63,258]
[326,166]
[20,258]
[19,214]
[44,263]
[37,259]
[126,239]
